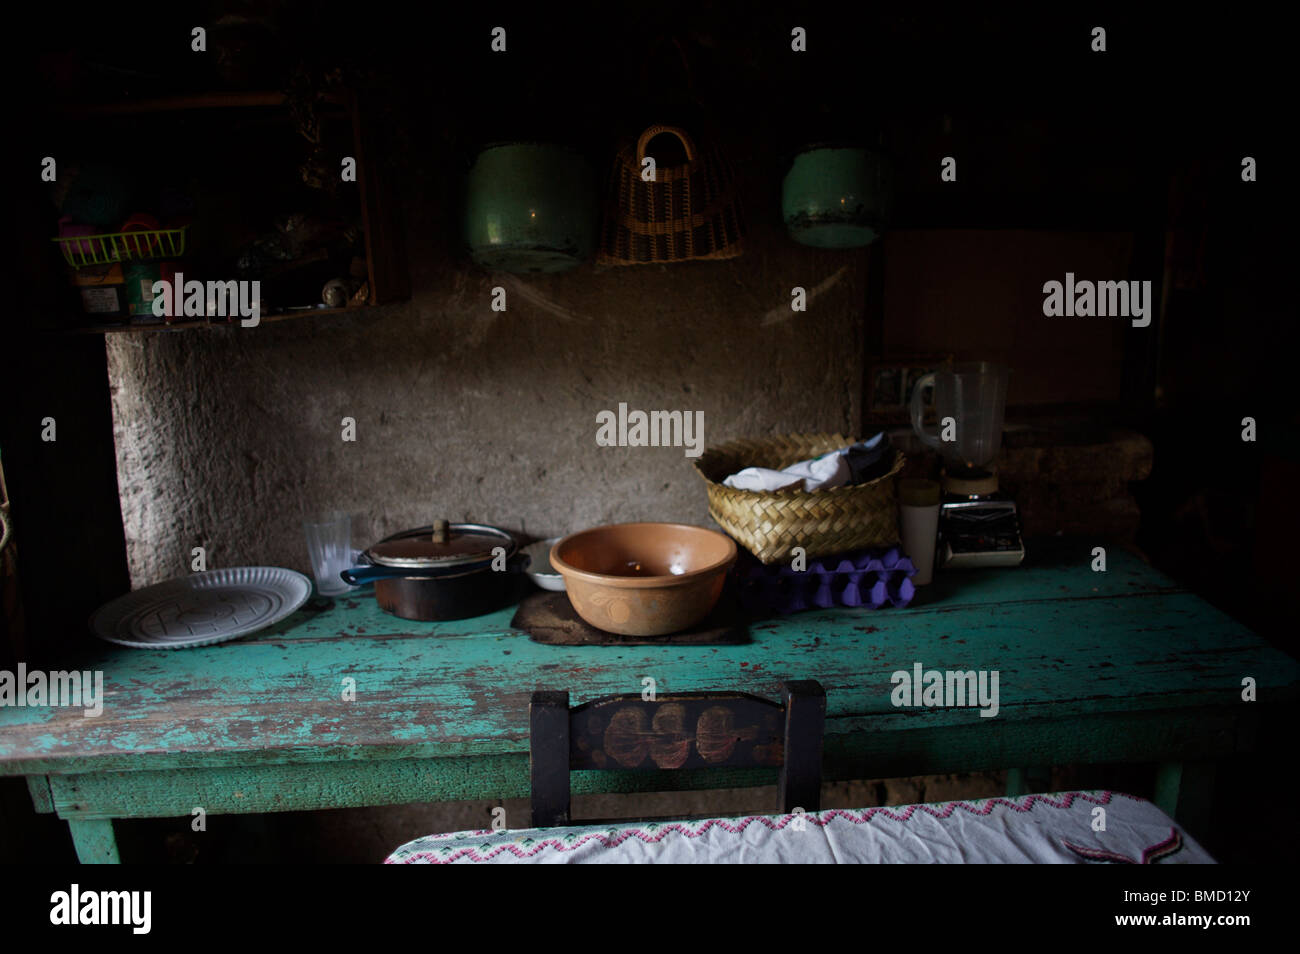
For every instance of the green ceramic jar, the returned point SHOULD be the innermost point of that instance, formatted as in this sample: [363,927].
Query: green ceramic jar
[530,207]
[836,197]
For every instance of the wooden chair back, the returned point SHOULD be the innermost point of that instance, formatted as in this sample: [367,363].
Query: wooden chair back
[674,732]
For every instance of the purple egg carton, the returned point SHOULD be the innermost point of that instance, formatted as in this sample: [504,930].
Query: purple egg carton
[873,578]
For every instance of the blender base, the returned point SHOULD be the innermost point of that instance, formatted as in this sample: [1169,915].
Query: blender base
[978,525]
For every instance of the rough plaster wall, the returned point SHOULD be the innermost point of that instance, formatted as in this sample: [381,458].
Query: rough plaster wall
[226,437]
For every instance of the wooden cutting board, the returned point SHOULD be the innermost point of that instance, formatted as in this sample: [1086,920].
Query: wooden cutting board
[550,618]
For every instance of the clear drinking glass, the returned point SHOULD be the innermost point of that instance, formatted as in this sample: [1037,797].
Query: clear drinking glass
[329,544]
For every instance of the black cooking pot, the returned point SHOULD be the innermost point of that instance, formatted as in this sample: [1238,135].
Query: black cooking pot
[443,571]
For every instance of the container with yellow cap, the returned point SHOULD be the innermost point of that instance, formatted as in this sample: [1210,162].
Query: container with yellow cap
[918,522]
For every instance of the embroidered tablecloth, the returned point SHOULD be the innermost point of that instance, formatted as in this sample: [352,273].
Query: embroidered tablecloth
[1068,828]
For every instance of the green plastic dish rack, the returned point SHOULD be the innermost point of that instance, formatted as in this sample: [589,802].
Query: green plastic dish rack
[110,247]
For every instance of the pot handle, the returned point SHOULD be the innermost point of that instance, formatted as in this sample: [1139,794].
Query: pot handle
[361,575]
[653,131]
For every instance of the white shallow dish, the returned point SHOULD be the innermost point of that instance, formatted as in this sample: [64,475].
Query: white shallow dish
[540,570]
[202,608]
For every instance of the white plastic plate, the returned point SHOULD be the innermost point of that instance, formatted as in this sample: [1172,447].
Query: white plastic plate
[202,608]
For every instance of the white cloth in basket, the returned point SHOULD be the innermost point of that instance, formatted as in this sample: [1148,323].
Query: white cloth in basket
[820,473]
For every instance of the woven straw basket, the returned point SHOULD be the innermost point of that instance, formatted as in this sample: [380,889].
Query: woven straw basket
[771,525]
[689,212]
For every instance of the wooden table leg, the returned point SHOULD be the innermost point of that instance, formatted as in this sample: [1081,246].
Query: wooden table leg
[1185,792]
[94,841]
[42,800]
[1028,781]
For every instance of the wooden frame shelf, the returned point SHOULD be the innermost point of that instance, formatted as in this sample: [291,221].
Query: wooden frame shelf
[193,101]
[107,329]
[384,246]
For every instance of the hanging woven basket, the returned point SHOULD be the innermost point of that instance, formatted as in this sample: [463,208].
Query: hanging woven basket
[688,212]
[823,522]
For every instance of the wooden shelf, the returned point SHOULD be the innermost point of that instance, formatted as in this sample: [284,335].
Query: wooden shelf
[215,325]
[171,104]
[382,243]
[176,104]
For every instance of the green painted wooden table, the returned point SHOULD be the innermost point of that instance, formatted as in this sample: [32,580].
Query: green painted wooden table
[1094,667]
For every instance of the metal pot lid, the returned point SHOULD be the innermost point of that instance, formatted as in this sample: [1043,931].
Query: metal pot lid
[441,544]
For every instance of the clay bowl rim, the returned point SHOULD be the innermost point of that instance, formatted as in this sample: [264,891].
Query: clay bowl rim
[644,582]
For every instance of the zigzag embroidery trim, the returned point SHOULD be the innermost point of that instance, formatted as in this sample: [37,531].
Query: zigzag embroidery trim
[614,837]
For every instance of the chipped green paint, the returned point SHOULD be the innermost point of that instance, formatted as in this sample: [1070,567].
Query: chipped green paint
[1122,665]
[96,844]
[38,786]
[315,785]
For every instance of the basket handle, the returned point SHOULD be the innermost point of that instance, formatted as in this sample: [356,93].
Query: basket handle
[6,528]
[653,131]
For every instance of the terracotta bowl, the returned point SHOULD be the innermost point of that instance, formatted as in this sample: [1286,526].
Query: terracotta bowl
[644,579]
